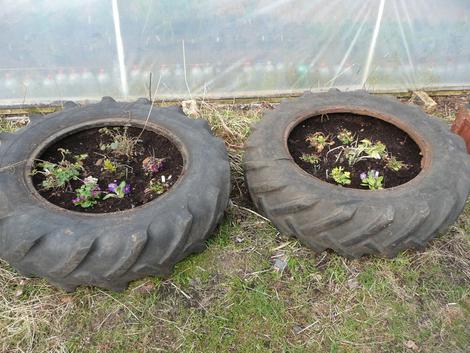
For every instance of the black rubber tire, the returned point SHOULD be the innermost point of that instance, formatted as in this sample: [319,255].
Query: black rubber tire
[356,222]
[109,250]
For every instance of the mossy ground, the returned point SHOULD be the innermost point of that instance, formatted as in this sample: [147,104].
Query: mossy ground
[230,298]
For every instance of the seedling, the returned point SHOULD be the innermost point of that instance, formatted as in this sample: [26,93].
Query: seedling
[319,141]
[122,144]
[156,186]
[341,176]
[311,158]
[88,194]
[394,164]
[109,166]
[345,136]
[372,180]
[117,190]
[58,175]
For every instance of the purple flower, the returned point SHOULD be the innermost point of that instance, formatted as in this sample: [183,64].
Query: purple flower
[363,176]
[112,187]
[127,189]
[75,200]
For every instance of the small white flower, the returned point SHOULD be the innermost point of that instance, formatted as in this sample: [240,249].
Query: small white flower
[163,179]
[90,180]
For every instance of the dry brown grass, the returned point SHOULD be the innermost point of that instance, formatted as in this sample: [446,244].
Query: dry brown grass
[232,124]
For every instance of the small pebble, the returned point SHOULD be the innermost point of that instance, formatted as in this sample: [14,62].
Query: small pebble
[280,265]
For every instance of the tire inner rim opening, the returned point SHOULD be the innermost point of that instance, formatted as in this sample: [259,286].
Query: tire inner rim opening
[355,151]
[128,165]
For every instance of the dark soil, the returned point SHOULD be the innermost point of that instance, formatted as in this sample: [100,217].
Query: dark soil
[398,143]
[89,141]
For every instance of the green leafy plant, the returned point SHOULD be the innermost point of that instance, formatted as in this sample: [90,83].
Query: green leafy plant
[353,155]
[345,136]
[374,150]
[58,175]
[122,144]
[372,180]
[311,158]
[365,149]
[156,186]
[109,166]
[117,190]
[395,164]
[88,194]
[319,141]
[341,176]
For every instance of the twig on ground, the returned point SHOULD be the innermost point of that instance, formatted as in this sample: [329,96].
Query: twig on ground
[248,210]
[187,296]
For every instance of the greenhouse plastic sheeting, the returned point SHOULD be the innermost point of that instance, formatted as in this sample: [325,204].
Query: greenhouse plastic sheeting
[84,49]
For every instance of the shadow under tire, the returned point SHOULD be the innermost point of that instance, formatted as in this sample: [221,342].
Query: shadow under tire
[349,221]
[110,250]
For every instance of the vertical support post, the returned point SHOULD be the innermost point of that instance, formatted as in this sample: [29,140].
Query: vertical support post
[375,34]
[120,49]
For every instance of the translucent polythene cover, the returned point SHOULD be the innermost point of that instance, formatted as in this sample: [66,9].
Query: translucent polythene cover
[84,49]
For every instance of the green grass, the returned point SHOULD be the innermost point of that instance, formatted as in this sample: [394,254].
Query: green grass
[230,298]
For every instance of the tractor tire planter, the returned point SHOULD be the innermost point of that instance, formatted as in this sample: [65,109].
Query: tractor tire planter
[109,250]
[355,222]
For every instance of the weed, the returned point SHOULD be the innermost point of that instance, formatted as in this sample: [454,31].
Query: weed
[311,158]
[394,164]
